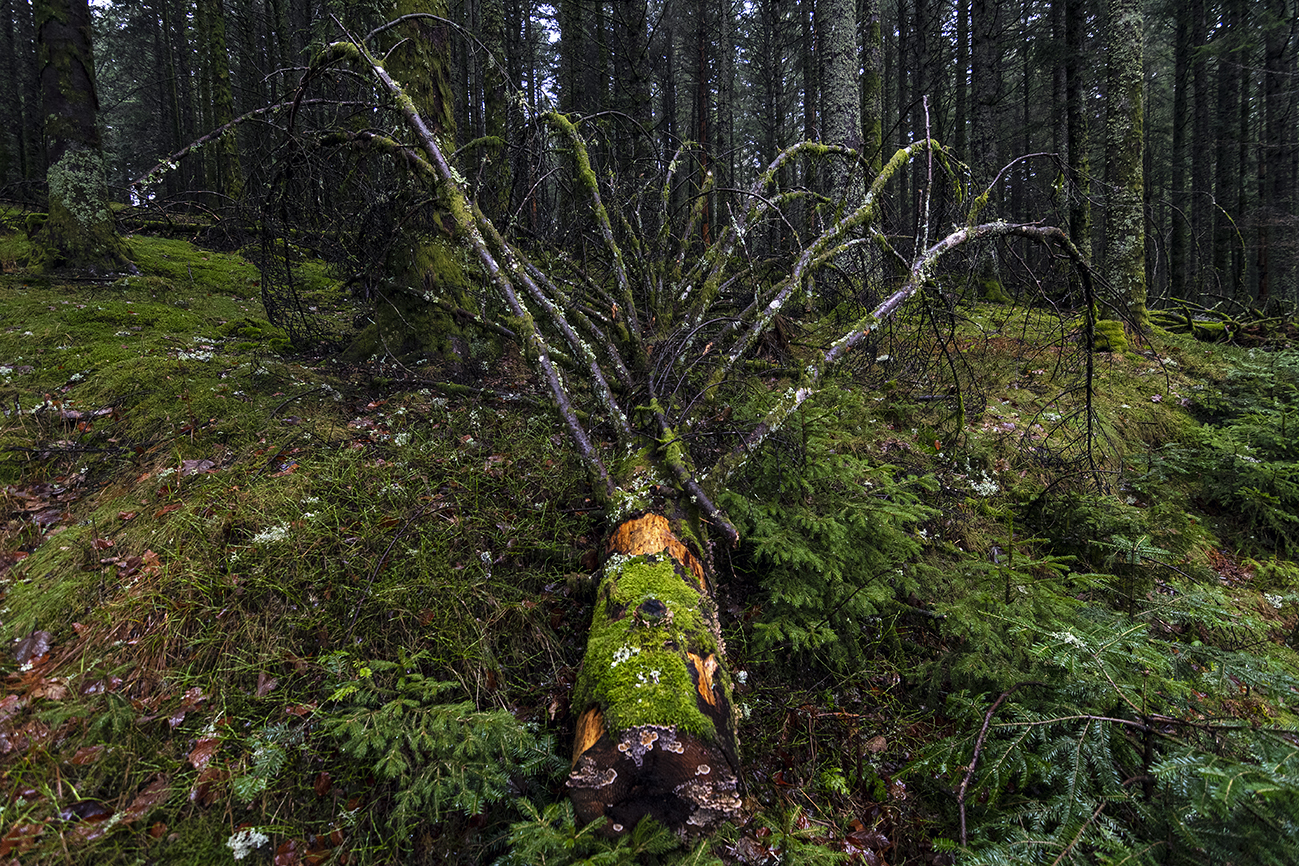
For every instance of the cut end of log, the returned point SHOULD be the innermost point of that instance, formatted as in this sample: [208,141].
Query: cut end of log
[676,778]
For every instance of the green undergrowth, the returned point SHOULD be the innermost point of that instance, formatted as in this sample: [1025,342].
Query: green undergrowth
[244,579]
[306,612]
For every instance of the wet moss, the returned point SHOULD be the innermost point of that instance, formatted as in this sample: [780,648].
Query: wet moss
[1110,336]
[635,671]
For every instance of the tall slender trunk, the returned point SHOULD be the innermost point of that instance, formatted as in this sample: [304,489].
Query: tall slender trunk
[79,233]
[1080,212]
[226,175]
[495,197]
[1180,233]
[1201,204]
[702,113]
[32,150]
[1125,224]
[1227,45]
[725,147]
[811,89]
[11,110]
[872,79]
[901,72]
[840,97]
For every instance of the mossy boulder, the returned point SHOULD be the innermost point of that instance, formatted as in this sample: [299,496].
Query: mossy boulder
[993,291]
[425,310]
[1110,336]
[257,331]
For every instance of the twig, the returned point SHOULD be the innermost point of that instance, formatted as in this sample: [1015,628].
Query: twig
[978,750]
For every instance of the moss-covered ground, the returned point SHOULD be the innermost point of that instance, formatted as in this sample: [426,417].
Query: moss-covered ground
[240,587]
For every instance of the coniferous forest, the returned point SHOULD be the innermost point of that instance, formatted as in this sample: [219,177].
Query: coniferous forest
[649,431]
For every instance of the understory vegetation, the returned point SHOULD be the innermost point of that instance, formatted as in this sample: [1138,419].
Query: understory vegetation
[281,608]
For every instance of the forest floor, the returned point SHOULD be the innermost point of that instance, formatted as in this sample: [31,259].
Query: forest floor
[284,609]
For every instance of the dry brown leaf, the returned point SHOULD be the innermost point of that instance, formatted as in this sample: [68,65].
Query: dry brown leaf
[195,467]
[154,794]
[35,645]
[20,838]
[86,755]
[206,789]
[266,684]
[203,752]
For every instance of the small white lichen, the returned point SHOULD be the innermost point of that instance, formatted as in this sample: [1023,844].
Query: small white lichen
[272,534]
[621,655]
[245,841]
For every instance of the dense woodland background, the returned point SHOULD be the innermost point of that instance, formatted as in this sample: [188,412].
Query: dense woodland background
[991,80]
[998,565]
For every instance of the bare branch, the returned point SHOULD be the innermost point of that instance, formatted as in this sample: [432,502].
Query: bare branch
[922,271]
[465,220]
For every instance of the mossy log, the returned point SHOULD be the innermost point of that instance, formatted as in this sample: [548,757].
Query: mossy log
[656,729]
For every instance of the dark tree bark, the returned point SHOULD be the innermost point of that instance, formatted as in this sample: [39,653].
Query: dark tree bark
[840,97]
[631,81]
[1226,50]
[21,98]
[79,233]
[1080,214]
[1201,202]
[1276,189]
[872,83]
[1125,222]
[902,80]
[573,45]
[495,198]
[961,82]
[225,176]
[725,148]
[1179,240]
[987,89]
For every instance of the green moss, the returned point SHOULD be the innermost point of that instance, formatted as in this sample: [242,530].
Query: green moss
[993,291]
[413,315]
[636,672]
[1110,336]
[183,265]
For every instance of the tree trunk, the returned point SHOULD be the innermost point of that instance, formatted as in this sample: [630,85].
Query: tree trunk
[1226,44]
[632,83]
[1179,241]
[421,59]
[1275,188]
[961,83]
[701,117]
[225,175]
[1201,203]
[872,80]
[27,81]
[1124,146]
[840,98]
[79,233]
[724,149]
[656,727]
[495,198]
[986,84]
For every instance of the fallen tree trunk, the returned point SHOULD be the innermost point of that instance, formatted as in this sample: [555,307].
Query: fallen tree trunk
[656,730]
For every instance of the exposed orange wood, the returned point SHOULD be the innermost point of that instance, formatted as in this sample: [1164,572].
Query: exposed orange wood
[652,534]
[706,667]
[590,727]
